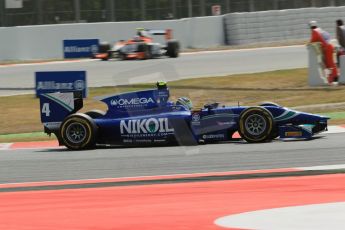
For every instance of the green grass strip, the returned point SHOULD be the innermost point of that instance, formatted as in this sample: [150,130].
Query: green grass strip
[335,115]
[23,135]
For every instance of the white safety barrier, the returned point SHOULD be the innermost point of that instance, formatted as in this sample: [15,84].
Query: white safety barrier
[279,25]
[317,75]
[342,69]
[45,41]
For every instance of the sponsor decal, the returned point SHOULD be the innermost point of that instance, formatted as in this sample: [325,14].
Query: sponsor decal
[78,49]
[132,102]
[143,141]
[60,81]
[226,123]
[52,85]
[145,127]
[52,125]
[213,136]
[293,134]
[195,117]
[79,85]
[176,108]
[159,140]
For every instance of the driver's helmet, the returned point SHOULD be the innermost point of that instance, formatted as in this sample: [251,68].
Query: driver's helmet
[143,33]
[185,102]
[137,38]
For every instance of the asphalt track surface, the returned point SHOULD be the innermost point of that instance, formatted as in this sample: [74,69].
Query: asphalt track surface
[60,164]
[20,79]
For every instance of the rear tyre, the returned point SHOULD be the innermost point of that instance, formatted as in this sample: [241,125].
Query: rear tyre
[104,47]
[256,125]
[78,132]
[173,48]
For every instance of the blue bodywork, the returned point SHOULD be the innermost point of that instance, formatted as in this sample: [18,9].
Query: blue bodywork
[148,117]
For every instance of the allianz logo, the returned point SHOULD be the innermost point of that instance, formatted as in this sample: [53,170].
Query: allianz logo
[132,101]
[52,85]
[79,49]
[213,136]
[152,125]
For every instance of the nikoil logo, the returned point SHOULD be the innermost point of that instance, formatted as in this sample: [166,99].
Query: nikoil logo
[132,101]
[152,125]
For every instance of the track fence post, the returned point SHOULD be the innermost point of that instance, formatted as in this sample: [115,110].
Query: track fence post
[77,10]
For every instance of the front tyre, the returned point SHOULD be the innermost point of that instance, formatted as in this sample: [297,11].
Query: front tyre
[78,132]
[173,48]
[256,125]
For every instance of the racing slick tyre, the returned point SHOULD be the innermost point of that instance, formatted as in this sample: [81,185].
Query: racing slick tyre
[95,113]
[78,131]
[173,48]
[145,49]
[256,125]
[104,47]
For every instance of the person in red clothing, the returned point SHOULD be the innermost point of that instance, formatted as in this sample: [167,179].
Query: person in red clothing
[322,36]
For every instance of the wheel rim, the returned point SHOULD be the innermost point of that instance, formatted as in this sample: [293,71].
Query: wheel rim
[255,124]
[76,133]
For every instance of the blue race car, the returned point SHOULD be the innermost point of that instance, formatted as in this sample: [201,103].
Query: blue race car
[149,118]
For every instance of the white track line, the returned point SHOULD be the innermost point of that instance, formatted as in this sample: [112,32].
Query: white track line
[312,216]
[5,146]
[322,167]
[335,129]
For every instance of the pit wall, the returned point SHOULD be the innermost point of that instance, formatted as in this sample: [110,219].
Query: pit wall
[45,41]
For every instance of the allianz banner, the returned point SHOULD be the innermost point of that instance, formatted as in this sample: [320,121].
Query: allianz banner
[61,81]
[80,48]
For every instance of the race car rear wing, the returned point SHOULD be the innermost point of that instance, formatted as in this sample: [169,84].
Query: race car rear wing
[56,106]
[167,32]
